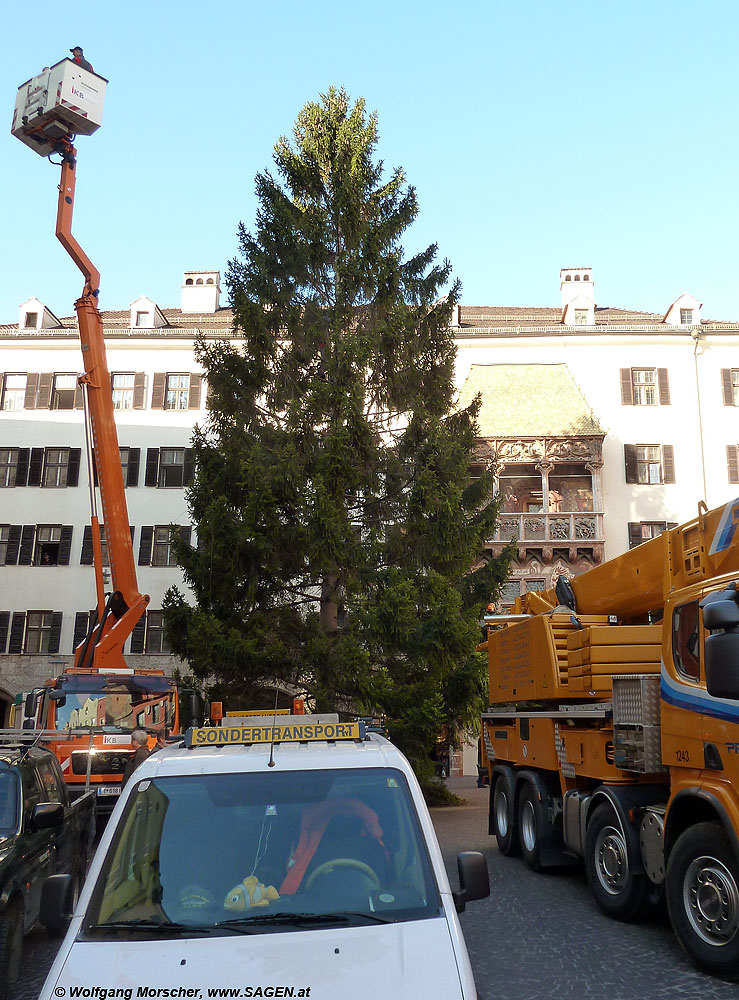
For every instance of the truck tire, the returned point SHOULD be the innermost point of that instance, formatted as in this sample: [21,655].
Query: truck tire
[530,826]
[11,948]
[618,890]
[504,818]
[702,888]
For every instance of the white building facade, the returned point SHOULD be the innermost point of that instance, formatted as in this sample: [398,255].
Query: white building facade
[629,420]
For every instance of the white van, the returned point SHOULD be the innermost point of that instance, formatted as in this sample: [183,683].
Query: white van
[296,860]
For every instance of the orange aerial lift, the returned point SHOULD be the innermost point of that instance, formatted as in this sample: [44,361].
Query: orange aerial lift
[88,713]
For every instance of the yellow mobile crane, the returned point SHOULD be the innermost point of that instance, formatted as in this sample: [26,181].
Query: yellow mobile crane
[613,731]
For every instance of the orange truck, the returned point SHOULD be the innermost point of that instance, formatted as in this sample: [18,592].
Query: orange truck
[612,734]
[87,715]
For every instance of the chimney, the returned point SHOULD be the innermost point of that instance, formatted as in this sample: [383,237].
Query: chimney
[201,291]
[576,282]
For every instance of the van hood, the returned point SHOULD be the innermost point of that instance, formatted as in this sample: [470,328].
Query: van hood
[415,959]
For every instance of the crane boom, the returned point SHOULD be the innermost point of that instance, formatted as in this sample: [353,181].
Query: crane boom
[639,581]
[116,616]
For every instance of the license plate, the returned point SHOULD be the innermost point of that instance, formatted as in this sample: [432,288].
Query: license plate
[109,790]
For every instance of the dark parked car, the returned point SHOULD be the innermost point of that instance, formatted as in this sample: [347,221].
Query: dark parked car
[42,833]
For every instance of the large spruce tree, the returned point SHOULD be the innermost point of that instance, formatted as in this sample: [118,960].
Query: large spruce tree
[337,523]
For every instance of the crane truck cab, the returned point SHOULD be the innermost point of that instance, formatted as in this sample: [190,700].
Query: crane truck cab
[290,856]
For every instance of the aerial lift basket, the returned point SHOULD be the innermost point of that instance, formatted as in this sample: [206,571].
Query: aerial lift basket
[64,100]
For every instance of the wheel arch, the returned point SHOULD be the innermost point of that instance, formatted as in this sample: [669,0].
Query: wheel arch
[697,805]
[506,773]
[622,800]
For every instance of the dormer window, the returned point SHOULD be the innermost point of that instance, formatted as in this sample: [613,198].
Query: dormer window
[686,317]
[142,319]
[31,321]
[581,317]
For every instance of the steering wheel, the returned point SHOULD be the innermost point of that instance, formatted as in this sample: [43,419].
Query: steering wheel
[329,866]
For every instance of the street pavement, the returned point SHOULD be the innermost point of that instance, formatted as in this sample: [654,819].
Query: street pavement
[537,936]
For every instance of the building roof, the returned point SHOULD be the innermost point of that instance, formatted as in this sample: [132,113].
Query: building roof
[529,401]
[507,320]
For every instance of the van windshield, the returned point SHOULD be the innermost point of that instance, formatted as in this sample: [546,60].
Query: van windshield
[264,851]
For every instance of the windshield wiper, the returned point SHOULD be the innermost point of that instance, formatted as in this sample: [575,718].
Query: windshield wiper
[162,926]
[299,919]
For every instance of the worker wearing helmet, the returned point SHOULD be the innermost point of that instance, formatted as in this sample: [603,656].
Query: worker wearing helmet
[79,58]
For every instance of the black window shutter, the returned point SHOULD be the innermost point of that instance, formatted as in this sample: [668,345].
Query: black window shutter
[55,632]
[671,525]
[35,466]
[152,467]
[134,458]
[29,402]
[81,625]
[43,397]
[137,635]
[193,401]
[73,467]
[139,383]
[188,469]
[21,474]
[157,390]
[146,543]
[65,545]
[727,388]
[17,629]
[664,387]
[86,556]
[26,550]
[627,388]
[4,626]
[632,468]
[14,542]
[732,459]
[634,534]
[668,463]
[185,533]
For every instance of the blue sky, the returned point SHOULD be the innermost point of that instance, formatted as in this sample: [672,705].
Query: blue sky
[538,135]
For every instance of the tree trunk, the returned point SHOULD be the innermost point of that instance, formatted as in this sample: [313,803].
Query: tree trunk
[329,613]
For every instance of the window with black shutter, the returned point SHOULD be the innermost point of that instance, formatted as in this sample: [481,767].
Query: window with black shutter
[146,543]
[55,633]
[632,470]
[35,466]
[82,622]
[132,472]
[152,467]
[25,553]
[10,540]
[17,628]
[65,544]
[4,630]
[138,635]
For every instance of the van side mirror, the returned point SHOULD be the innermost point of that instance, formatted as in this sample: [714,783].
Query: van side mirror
[474,879]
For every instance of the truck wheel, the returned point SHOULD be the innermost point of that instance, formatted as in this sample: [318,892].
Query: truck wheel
[703,898]
[11,948]
[617,889]
[506,831]
[530,826]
